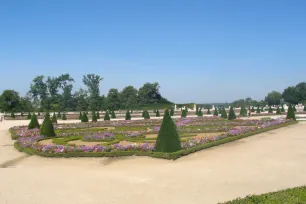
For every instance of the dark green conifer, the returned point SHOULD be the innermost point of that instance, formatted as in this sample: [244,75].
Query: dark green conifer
[290,113]
[168,139]
[157,113]
[29,116]
[54,119]
[270,110]
[81,117]
[200,113]
[98,115]
[128,115]
[223,113]
[231,114]
[294,109]
[257,110]
[12,114]
[172,112]
[64,117]
[253,110]
[283,109]
[278,111]
[94,117]
[208,111]
[113,114]
[304,107]
[34,122]
[184,113]
[106,116]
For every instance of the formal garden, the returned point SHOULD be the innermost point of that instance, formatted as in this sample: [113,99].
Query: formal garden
[161,138]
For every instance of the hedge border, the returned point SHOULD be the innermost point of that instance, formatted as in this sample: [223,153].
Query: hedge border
[162,155]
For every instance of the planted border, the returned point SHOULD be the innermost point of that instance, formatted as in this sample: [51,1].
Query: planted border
[162,155]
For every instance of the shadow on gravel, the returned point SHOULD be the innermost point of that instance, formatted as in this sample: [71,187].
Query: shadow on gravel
[11,163]
[109,160]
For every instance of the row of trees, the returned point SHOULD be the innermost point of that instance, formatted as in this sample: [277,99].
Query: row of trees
[291,95]
[55,94]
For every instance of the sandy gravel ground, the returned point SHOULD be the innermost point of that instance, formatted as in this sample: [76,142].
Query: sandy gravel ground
[267,162]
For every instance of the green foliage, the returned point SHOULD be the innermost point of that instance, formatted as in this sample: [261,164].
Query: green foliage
[294,109]
[106,116]
[59,115]
[252,110]
[34,122]
[231,114]
[54,119]
[283,109]
[278,111]
[9,100]
[223,113]
[98,115]
[157,113]
[304,107]
[29,116]
[128,115]
[216,112]
[168,139]
[22,114]
[48,129]
[84,118]
[184,113]
[94,117]
[257,110]
[208,111]
[64,117]
[262,109]
[80,116]
[273,98]
[172,111]
[200,113]
[12,114]
[38,114]
[243,111]
[270,110]
[290,113]
[113,114]
[293,196]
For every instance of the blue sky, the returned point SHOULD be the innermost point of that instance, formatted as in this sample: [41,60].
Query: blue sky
[199,51]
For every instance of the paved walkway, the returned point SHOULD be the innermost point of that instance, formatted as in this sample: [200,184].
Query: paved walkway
[266,162]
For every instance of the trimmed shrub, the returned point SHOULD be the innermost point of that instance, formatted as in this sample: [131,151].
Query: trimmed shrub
[128,115]
[184,113]
[48,129]
[59,115]
[64,116]
[216,112]
[34,122]
[223,113]
[290,113]
[243,111]
[270,110]
[253,110]
[84,118]
[168,139]
[304,108]
[146,115]
[106,116]
[283,109]
[143,113]
[231,114]
[98,115]
[54,119]
[47,118]
[262,109]
[197,111]
[278,111]
[113,114]
[208,111]
[293,107]
[81,117]
[94,117]
[157,113]
[200,113]
[29,116]
[257,110]
[12,114]
[172,112]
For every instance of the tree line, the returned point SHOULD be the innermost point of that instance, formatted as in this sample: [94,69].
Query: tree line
[55,94]
[290,95]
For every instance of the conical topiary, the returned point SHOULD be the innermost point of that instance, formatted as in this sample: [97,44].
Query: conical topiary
[208,111]
[59,115]
[253,110]
[84,118]
[216,112]
[46,118]
[147,115]
[200,113]
[48,129]
[231,114]
[262,109]
[270,110]
[29,116]
[290,113]
[128,115]
[223,113]
[12,114]
[278,111]
[294,109]
[81,117]
[106,116]
[64,117]
[243,111]
[157,113]
[184,113]
[54,119]
[168,139]
[283,109]
[257,110]
[304,108]
[197,111]
[98,115]
[34,122]
[113,114]
[143,113]
[172,112]
[94,116]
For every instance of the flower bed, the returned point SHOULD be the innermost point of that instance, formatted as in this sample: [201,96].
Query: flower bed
[99,137]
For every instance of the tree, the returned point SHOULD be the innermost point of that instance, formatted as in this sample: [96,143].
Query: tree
[283,109]
[12,114]
[253,110]
[54,119]
[92,82]
[157,113]
[106,116]
[64,117]
[294,109]
[172,112]
[84,118]
[34,122]
[143,113]
[278,111]
[290,113]
[29,116]
[270,110]
[128,97]
[80,116]
[223,113]
[98,115]
[113,99]
[208,111]
[48,129]
[243,111]
[231,114]
[168,139]
[184,113]
[147,115]
[59,115]
[257,110]
[216,112]
[273,98]
[291,95]
[9,100]
[149,94]
[113,114]
[94,117]
[128,115]
[304,108]
[200,113]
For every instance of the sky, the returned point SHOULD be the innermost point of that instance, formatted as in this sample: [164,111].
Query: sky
[199,51]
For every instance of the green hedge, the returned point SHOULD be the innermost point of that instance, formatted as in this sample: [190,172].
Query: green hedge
[290,196]
[172,156]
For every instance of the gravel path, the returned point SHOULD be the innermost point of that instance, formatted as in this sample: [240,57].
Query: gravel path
[266,162]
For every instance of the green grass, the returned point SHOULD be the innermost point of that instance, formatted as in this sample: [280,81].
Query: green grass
[289,196]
